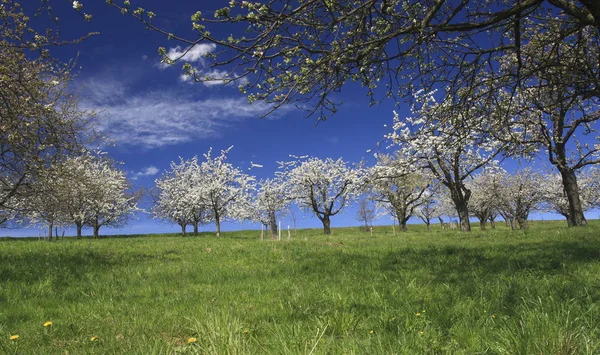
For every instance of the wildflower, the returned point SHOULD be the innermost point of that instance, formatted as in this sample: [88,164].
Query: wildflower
[493,316]
[94,338]
[192,340]
[77,5]
[14,337]
[421,332]
[245,331]
[372,332]
[47,324]
[418,314]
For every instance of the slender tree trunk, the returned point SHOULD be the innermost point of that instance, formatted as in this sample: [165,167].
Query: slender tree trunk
[572,191]
[196,227]
[218,224]
[492,222]
[428,222]
[79,227]
[50,225]
[273,225]
[96,229]
[326,225]
[441,222]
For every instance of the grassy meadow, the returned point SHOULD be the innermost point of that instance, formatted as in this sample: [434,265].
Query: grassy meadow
[438,292]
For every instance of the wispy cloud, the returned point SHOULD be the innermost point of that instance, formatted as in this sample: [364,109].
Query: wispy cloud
[333,139]
[147,171]
[156,119]
[194,54]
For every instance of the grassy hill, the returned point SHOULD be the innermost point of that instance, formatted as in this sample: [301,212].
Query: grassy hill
[419,292]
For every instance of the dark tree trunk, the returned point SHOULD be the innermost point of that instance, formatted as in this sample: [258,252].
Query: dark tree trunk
[576,216]
[460,196]
[79,226]
[522,222]
[428,223]
[273,225]
[493,222]
[183,231]
[402,224]
[326,224]
[462,208]
[196,227]
[50,225]
[482,223]
[96,229]
[402,217]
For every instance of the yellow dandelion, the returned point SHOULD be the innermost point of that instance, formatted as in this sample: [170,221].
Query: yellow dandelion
[47,324]
[418,314]
[394,318]
[14,337]
[192,340]
[246,331]
[421,332]
[493,316]
[372,332]
[94,338]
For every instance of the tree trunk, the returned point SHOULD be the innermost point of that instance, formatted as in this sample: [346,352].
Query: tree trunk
[96,229]
[522,222]
[576,217]
[218,224]
[196,227]
[462,208]
[402,224]
[50,225]
[492,222]
[79,227]
[402,217]
[326,225]
[428,223]
[273,225]
[482,223]
[441,222]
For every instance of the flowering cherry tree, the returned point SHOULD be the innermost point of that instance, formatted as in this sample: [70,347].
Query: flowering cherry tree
[270,200]
[177,199]
[82,190]
[394,187]
[324,187]
[518,194]
[558,108]
[451,143]
[555,197]
[223,190]
[485,188]
[194,192]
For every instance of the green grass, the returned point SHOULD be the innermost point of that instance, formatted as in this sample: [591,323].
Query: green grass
[492,292]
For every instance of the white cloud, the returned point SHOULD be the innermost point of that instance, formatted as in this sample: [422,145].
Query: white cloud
[147,171]
[158,119]
[195,54]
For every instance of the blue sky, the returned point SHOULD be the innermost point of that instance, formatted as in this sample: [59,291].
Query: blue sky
[155,117]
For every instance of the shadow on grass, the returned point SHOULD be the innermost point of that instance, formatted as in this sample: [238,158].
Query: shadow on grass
[33,266]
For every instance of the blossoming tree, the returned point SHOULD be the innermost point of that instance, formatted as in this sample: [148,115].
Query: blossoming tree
[324,187]
[451,143]
[395,186]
